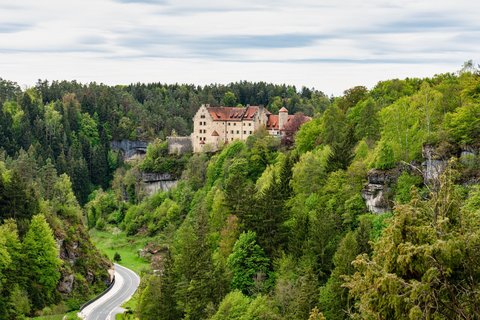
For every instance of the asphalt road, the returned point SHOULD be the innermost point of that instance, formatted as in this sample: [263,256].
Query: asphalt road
[105,308]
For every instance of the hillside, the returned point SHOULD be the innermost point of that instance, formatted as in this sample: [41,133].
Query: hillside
[371,213]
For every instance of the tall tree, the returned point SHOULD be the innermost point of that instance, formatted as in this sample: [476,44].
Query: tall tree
[248,264]
[42,270]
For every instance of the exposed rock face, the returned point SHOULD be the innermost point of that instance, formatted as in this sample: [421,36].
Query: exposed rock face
[375,192]
[434,164]
[68,251]
[179,145]
[66,284]
[130,148]
[154,182]
[432,169]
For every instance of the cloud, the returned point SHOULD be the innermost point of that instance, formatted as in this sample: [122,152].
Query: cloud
[256,41]
[91,40]
[212,46]
[432,21]
[237,37]
[6,27]
[161,2]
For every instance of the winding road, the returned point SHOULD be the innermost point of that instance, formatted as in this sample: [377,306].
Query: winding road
[107,306]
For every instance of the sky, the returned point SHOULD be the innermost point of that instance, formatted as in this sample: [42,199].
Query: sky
[329,45]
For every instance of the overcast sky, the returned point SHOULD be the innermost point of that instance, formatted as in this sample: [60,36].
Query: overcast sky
[327,44]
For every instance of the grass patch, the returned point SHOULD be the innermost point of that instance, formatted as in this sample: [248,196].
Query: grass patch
[109,243]
[128,247]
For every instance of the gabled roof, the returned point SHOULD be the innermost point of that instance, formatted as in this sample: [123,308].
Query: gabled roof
[232,113]
[215,133]
[283,110]
[272,123]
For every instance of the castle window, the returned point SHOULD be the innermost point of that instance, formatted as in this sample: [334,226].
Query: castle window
[232,131]
[229,123]
[250,131]
[234,123]
[244,132]
[238,132]
[200,130]
[202,116]
[249,124]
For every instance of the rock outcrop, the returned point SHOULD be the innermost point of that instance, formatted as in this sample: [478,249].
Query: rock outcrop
[375,193]
[154,182]
[179,145]
[434,164]
[129,148]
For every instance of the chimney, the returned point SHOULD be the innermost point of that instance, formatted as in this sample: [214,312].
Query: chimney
[282,118]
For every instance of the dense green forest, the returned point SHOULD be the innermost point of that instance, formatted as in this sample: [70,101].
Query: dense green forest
[260,229]
[55,153]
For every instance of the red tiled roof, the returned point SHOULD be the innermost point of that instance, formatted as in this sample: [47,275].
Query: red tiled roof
[272,122]
[232,113]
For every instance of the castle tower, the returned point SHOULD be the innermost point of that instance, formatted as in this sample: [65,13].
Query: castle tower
[282,118]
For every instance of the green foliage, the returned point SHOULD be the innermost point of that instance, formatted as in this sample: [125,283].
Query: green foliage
[365,120]
[89,130]
[308,137]
[385,157]
[305,206]
[158,160]
[310,172]
[464,124]
[117,257]
[216,166]
[157,298]
[233,306]
[334,300]
[342,152]
[261,309]
[405,182]
[229,99]
[248,264]
[424,264]
[41,251]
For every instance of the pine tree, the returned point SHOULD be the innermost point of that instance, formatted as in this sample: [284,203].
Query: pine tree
[342,152]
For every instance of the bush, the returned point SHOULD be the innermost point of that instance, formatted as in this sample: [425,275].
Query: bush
[117,257]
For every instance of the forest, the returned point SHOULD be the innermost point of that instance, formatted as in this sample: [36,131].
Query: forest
[261,229]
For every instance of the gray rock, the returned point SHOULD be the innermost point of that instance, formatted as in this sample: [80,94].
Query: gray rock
[66,284]
[129,148]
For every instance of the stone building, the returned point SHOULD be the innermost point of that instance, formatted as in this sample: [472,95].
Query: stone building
[216,126]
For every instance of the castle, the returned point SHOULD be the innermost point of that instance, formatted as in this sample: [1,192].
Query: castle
[215,126]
